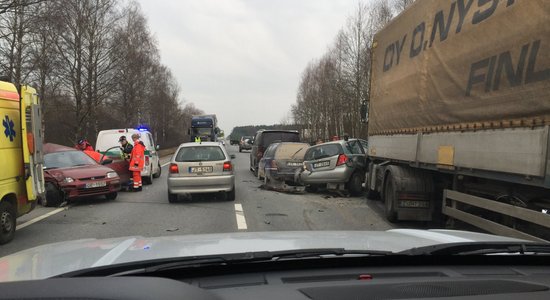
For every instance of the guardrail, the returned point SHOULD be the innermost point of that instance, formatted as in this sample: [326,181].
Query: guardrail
[451,207]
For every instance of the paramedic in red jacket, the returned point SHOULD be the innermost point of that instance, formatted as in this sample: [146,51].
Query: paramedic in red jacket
[137,160]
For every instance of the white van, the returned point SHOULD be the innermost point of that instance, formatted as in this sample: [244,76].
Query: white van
[107,139]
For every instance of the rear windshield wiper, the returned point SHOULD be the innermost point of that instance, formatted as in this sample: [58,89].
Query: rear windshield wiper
[479,248]
[149,267]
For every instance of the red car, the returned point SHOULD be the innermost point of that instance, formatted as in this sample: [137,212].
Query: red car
[71,174]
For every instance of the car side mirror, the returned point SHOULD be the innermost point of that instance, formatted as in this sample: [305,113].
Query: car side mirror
[107,161]
[157,147]
[232,156]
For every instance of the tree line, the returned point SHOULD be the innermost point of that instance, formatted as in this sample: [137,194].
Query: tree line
[95,65]
[333,88]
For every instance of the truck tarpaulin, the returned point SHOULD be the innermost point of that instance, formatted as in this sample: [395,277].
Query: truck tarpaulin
[464,64]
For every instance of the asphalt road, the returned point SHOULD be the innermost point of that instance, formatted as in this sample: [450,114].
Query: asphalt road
[148,213]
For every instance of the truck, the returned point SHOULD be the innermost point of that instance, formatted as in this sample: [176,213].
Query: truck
[22,158]
[205,127]
[458,116]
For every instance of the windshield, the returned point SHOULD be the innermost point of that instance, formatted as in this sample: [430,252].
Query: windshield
[67,159]
[257,125]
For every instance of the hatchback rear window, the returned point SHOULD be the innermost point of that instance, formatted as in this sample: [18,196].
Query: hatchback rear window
[270,137]
[323,151]
[200,153]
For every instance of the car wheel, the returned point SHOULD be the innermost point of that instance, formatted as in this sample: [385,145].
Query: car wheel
[157,174]
[148,179]
[7,222]
[172,197]
[230,195]
[240,149]
[355,184]
[53,196]
[389,200]
[312,188]
[111,196]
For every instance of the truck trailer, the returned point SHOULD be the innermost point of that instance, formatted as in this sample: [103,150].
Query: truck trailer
[459,115]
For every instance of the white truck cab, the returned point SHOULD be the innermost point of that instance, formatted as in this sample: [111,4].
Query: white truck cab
[107,139]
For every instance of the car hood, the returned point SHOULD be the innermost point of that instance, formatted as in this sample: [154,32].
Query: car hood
[80,171]
[55,259]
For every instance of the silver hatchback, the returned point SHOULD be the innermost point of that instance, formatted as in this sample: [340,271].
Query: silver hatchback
[338,165]
[198,168]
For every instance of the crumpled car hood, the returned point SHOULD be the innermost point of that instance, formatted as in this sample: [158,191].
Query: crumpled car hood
[58,258]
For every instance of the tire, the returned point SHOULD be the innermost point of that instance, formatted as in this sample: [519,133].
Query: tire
[240,149]
[389,200]
[230,196]
[53,196]
[355,184]
[157,174]
[172,198]
[7,222]
[111,196]
[148,180]
[312,188]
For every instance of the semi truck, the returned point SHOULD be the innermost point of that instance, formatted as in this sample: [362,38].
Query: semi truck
[21,156]
[205,127]
[458,116]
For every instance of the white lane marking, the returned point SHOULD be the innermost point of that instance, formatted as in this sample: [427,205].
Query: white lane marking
[40,218]
[239,213]
[164,165]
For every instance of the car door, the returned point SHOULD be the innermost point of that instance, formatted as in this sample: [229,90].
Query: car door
[357,154]
[154,154]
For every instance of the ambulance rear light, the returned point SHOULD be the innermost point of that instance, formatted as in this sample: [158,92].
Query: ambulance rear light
[146,160]
[121,130]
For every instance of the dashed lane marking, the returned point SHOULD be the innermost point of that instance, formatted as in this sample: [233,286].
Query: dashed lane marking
[40,218]
[239,213]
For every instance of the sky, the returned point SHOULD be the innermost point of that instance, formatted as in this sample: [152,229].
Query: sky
[242,59]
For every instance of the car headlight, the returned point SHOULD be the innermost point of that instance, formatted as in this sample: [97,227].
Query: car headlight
[68,180]
[112,175]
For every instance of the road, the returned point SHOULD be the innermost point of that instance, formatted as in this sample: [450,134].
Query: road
[148,213]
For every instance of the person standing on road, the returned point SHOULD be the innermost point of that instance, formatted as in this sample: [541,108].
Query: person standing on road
[137,160]
[125,147]
[198,139]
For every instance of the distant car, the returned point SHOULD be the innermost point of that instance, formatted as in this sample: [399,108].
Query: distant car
[201,168]
[280,162]
[71,174]
[264,138]
[339,165]
[246,143]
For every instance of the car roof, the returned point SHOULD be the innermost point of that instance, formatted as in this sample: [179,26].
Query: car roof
[277,130]
[51,148]
[191,144]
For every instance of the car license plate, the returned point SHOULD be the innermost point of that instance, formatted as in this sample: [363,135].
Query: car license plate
[96,184]
[294,164]
[200,169]
[414,204]
[321,164]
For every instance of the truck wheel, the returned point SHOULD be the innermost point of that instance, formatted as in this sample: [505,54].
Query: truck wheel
[7,222]
[53,196]
[389,200]
[172,198]
[157,174]
[111,196]
[230,196]
[355,184]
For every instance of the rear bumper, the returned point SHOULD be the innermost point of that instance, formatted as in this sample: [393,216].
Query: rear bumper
[339,174]
[197,185]
[283,175]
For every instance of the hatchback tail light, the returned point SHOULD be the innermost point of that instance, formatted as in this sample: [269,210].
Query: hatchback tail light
[227,166]
[342,159]
[174,169]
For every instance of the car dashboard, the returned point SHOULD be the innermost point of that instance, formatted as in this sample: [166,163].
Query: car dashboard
[263,281]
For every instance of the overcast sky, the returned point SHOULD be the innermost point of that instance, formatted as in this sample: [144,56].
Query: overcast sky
[242,59]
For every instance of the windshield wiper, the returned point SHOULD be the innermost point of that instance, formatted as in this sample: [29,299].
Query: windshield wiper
[479,248]
[149,267]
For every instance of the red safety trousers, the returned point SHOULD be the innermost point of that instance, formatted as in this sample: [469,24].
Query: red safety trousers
[137,179]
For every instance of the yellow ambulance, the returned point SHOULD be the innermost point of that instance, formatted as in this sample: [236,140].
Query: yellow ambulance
[21,156]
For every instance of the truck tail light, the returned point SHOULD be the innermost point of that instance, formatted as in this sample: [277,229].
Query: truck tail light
[342,159]
[174,169]
[227,166]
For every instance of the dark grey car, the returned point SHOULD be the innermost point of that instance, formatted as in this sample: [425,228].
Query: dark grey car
[264,138]
[339,165]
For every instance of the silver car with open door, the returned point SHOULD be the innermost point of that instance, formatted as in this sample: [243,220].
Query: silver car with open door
[198,168]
